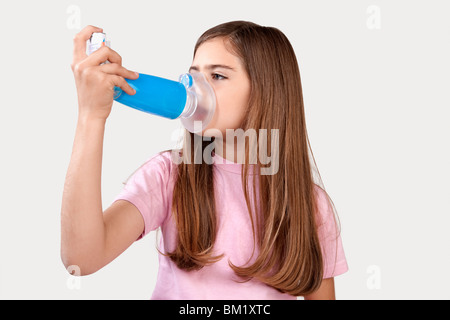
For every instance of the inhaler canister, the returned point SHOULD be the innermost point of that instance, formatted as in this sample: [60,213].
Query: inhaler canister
[97,40]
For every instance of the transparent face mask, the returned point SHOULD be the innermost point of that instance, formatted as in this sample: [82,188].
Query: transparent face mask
[200,104]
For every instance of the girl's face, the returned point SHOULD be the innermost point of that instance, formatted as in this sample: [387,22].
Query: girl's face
[230,82]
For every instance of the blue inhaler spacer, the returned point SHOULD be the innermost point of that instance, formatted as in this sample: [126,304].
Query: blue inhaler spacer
[190,99]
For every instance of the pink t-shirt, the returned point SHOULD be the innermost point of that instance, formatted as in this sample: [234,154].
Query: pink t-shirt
[150,189]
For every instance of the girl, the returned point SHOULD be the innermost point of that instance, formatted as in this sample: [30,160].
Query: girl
[228,231]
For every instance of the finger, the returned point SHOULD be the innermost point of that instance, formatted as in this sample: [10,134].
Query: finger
[79,42]
[120,82]
[116,69]
[101,55]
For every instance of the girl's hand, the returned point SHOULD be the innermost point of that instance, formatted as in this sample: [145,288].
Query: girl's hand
[95,83]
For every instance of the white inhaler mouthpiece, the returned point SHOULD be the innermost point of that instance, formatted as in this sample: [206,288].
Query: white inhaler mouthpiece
[200,102]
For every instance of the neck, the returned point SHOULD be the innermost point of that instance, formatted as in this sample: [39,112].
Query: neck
[229,150]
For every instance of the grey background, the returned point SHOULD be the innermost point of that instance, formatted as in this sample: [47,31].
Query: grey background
[377,109]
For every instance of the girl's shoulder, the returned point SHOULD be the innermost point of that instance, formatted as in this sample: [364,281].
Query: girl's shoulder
[157,165]
[163,158]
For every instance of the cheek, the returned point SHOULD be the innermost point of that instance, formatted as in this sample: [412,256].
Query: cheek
[231,105]
[228,115]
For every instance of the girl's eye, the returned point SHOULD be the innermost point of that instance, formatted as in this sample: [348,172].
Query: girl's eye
[216,74]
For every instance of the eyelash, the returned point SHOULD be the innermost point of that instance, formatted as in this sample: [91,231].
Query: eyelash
[216,74]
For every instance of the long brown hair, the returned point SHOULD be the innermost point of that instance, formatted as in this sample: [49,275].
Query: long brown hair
[285,226]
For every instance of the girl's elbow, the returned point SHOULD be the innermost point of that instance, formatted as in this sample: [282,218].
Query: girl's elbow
[76,267]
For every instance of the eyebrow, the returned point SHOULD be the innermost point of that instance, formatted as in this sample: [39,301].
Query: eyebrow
[211,67]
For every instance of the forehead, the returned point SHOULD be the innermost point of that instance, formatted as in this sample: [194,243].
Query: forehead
[215,51]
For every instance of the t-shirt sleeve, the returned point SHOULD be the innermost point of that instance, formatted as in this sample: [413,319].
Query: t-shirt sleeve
[146,189]
[334,261]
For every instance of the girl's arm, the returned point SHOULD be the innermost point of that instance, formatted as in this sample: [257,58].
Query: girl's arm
[325,291]
[90,238]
